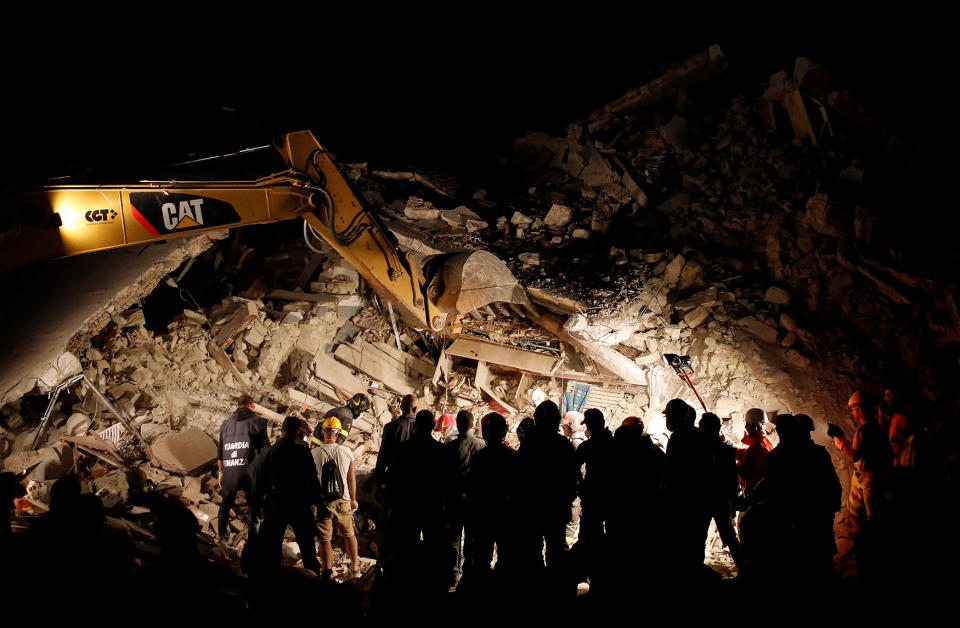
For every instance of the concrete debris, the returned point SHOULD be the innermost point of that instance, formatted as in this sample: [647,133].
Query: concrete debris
[776,295]
[186,451]
[558,216]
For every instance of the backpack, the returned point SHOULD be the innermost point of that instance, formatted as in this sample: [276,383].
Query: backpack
[331,484]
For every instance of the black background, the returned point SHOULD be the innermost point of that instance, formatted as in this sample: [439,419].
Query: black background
[402,89]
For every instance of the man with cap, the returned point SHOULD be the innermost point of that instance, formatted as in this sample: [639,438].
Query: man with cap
[242,436]
[871,456]
[285,486]
[337,512]
[356,405]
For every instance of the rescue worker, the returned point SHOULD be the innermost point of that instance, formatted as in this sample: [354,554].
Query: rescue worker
[336,515]
[285,486]
[461,450]
[242,436]
[573,428]
[725,483]
[871,456]
[750,461]
[357,405]
[446,428]
[893,421]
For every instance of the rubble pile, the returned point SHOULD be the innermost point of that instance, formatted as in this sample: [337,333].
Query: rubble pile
[737,229]
[734,230]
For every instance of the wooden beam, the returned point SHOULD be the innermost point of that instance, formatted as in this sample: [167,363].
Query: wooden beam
[539,363]
[220,357]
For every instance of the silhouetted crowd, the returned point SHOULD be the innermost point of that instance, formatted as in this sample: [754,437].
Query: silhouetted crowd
[472,529]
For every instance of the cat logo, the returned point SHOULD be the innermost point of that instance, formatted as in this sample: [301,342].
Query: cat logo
[172,212]
[100,215]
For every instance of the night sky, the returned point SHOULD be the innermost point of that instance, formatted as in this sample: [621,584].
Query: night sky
[406,94]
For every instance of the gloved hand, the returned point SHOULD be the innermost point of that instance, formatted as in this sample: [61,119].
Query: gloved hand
[354,505]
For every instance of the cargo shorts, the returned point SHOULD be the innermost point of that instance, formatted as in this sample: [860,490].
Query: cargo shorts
[338,515]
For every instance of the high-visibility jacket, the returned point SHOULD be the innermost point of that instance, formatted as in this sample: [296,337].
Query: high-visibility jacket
[750,461]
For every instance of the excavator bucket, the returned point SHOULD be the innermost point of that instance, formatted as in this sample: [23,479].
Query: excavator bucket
[463,282]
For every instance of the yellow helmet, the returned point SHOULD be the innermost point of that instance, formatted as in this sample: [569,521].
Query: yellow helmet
[332,423]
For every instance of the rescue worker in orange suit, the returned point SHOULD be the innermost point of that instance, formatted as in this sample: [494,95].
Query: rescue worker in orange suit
[751,461]
[871,456]
[892,421]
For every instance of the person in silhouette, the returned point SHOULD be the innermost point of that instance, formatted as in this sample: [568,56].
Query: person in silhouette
[418,485]
[687,487]
[461,450]
[491,501]
[596,457]
[802,484]
[725,484]
[285,486]
[549,469]
[395,432]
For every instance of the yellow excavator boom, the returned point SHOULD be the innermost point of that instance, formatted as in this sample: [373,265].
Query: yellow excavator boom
[62,220]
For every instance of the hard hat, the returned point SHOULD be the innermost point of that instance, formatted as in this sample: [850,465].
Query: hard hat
[332,423]
[755,416]
[856,399]
[573,419]
[359,403]
[444,422]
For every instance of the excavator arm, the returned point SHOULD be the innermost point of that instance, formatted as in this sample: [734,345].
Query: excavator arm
[63,220]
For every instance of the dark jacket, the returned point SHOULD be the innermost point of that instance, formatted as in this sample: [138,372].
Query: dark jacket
[395,432]
[687,470]
[462,449]
[550,475]
[242,436]
[285,477]
[419,477]
[491,483]
[726,484]
[596,454]
[802,479]
[346,417]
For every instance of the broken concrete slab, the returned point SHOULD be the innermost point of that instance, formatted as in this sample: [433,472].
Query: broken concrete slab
[759,329]
[776,295]
[558,216]
[696,316]
[378,365]
[185,452]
